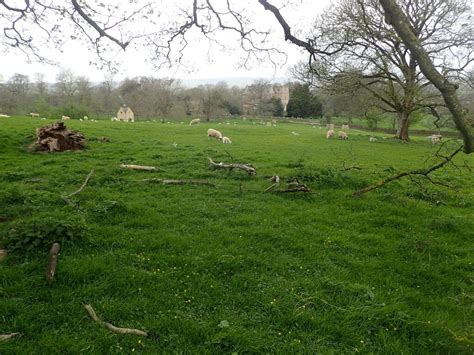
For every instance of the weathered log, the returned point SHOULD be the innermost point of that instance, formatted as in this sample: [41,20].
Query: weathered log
[6,337]
[276,182]
[249,169]
[180,182]
[110,326]
[138,167]
[52,263]
[57,138]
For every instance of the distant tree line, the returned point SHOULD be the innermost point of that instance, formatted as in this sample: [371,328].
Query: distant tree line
[77,96]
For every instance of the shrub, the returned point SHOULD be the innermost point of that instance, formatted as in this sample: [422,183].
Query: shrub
[41,232]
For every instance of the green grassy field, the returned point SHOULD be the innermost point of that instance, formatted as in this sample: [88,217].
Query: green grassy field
[231,269]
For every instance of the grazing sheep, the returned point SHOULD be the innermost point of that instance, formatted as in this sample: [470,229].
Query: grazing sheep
[269,124]
[34,114]
[86,118]
[343,135]
[373,139]
[114,119]
[330,134]
[435,138]
[195,121]
[214,134]
[65,118]
[295,133]
[226,140]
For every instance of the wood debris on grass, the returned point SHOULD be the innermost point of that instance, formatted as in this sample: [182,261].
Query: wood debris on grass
[138,167]
[86,181]
[7,337]
[180,182]
[112,327]
[249,169]
[52,262]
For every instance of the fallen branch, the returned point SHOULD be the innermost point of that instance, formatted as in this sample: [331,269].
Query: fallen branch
[299,188]
[138,167]
[249,169]
[7,337]
[180,182]
[276,182]
[422,172]
[67,197]
[111,327]
[53,261]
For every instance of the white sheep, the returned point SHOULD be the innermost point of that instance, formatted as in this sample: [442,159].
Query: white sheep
[373,139]
[435,138]
[343,135]
[214,134]
[65,118]
[86,118]
[226,140]
[195,121]
[330,134]
[295,133]
[3,115]
[34,114]
[114,119]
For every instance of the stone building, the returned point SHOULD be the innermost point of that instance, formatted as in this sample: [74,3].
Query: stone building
[125,113]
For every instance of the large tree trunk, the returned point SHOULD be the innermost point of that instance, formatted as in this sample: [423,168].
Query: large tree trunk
[403,123]
[394,16]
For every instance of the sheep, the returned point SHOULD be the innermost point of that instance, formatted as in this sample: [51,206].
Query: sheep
[343,135]
[373,139]
[195,121]
[3,115]
[34,114]
[65,118]
[86,118]
[295,133]
[226,140]
[435,138]
[214,134]
[345,127]
[114,119]
[330,134]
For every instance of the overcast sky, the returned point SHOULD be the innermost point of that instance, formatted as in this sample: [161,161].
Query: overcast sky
[205,62]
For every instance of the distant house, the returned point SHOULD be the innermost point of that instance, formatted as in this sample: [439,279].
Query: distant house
[125,114]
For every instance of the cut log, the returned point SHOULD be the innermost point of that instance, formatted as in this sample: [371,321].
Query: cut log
[112,327]
[249,169]
[138,167]
[57,138]
[52,263]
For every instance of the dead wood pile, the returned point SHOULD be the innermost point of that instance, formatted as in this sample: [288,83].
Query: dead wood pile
[57,138]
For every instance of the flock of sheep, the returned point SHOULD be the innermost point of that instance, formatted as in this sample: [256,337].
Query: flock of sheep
[213,133]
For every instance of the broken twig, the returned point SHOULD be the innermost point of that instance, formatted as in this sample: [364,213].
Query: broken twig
[111,327]
[52,263]
[67,197]
[7,337]
[180,182]
[422,172]
[276,182]
[138,167]
[249,169]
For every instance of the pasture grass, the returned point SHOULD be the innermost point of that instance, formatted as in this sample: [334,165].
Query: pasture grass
[230,269]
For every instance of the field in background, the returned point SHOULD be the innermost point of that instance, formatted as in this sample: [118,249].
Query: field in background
[230,268]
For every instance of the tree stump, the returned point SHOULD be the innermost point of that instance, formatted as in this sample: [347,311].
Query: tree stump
[57,138]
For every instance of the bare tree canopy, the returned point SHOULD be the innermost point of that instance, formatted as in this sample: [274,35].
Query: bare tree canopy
[402,53]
